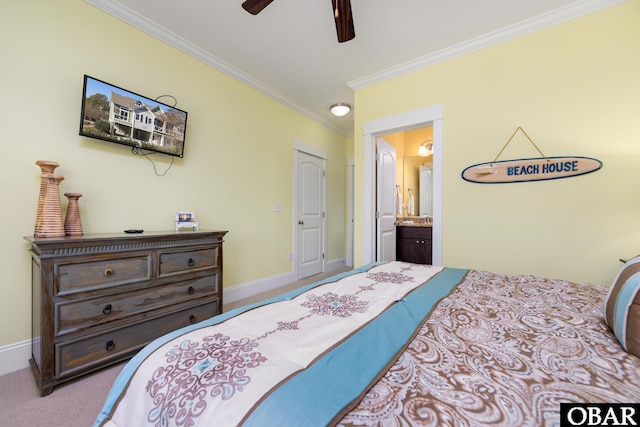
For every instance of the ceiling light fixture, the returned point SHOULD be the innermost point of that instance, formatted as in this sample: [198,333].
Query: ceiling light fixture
[426,148]
[340,109]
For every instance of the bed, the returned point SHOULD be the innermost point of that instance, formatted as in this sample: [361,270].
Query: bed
[394,344]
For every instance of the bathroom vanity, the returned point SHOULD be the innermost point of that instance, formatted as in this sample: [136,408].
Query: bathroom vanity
[413,243]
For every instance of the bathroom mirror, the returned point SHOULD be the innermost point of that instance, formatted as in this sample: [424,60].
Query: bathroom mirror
[417,176]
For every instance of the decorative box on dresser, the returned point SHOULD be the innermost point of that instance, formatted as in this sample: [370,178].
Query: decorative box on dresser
[99,298]
[413,244]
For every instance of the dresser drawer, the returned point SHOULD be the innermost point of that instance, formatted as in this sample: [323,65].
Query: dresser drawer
[182,262]
[71,277]
[78,315]
[72,356]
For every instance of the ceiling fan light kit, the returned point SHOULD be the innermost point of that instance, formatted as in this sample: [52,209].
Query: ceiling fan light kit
[341,12]
[340,109]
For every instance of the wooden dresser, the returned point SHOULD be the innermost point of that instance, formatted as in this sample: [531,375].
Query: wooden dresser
[413,244]
[98,299]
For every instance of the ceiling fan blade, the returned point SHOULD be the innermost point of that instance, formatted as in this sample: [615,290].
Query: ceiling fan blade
[344,20]
[255,6]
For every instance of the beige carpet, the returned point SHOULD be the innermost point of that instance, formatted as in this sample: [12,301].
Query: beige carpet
[72,404]
[77,403]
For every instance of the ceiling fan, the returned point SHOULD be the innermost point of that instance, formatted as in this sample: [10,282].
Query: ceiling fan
[341,12]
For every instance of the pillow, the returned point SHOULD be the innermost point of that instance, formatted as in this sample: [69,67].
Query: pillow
[622,306]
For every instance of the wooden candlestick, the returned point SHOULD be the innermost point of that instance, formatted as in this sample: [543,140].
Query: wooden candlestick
[72,223]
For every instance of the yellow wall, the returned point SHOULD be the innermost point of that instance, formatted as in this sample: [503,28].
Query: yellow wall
[575,89]
[238,157]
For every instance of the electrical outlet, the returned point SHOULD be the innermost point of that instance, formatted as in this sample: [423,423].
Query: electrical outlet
[276,206]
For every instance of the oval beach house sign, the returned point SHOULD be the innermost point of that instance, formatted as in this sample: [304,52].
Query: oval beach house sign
[525,170]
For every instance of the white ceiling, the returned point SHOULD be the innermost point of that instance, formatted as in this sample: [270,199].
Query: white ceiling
[290,50]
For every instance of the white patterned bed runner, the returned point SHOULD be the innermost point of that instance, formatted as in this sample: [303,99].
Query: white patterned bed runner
[216,374]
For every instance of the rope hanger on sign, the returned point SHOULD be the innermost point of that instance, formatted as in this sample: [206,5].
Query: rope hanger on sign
[525,134]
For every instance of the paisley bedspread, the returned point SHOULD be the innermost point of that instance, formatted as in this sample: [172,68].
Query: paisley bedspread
[504,350]
[391,344]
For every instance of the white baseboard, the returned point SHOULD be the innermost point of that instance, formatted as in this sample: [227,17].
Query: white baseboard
[250,289]
[335,264]
[16,356]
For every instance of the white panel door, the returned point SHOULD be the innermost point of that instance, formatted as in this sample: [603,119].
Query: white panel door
[386,200]
[310,215]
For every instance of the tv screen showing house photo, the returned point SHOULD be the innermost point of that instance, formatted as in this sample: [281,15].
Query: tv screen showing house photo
[113,114]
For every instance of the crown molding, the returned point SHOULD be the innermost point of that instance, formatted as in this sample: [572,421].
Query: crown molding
[574,10]
[138,21]
[571,11]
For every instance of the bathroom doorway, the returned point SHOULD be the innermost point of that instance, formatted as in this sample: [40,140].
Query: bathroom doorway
[430,116]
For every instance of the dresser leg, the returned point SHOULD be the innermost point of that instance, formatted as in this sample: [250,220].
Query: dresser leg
[46,391]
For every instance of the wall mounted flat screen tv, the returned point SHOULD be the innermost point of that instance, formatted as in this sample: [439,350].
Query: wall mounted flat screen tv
[117,115]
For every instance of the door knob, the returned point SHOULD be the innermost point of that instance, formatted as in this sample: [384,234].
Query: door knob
[300,222]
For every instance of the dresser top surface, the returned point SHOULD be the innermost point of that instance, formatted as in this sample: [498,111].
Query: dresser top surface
[147,235]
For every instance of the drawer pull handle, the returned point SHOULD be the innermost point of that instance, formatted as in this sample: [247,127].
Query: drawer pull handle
[192,319]
[106,309]
[110,345]
[191,262]
[108,272]
[191,290]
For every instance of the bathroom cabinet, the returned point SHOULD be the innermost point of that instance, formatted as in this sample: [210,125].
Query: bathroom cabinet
[413,244]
